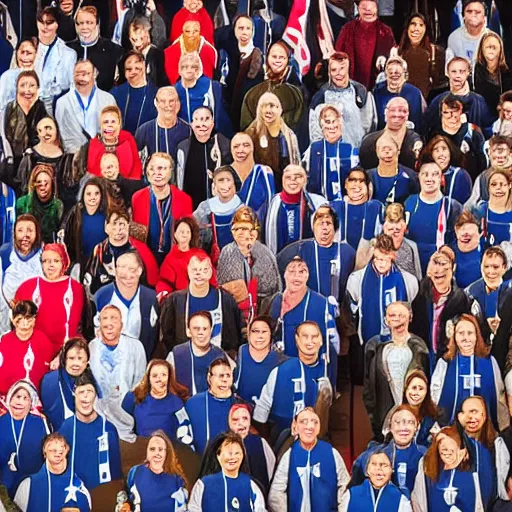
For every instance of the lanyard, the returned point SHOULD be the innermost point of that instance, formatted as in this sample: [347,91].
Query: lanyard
[141,107]
[50,48]
[317,268]
[67,411]
[84,108]
[338,164]
[163,215]
[17,443]
[157,139]
[379,494]
[194,390]
[49,488]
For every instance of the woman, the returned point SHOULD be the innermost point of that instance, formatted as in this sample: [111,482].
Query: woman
[431,214]
[159,483]
[56,485]
[42,201]
[25,58]
[84,226]
[20,117]
[113,139]
[446,480]
[60,298]
[503,125]
[495,215]
[275,144]
[157,402]
[224,480]
[457,181]
[425,61]
[296,485]
[491,76]
[21,436]
[465,370]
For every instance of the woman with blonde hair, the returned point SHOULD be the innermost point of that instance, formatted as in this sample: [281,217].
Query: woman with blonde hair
[275,144]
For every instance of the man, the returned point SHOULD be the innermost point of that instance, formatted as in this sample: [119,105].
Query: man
[201,296]
[165,132]
[192,359]
[159,205]
[78,112]
[100,270]
[93,440]
[90,45]
[298,383]
[290,211]
[209,411]
[408,141]
[137,303]
[54,62]
[468,249]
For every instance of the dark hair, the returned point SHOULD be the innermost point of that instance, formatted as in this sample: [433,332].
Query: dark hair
[210,464]
[121,213]
[200,314]
[451,101]
[191,222]
[220,361]
[425,42]
[466,217]
[24,308]
[326,210]
[500,139]
[312,323]
[27,217]
[30,73]
[428,406]
[496,250]
[97,182]
[135,254]
[455,153]
[487,434]
[50,12]
[384,243]
[77,342]
[33,41]
[263,318]
[465,4]
[86,379]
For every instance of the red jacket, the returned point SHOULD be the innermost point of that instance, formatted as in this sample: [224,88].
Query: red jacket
[152,273]
[201,16]
[130,165]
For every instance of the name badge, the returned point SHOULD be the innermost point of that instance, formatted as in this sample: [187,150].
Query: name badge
[450,495]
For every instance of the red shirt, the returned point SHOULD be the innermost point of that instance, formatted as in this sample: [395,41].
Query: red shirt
[201,16]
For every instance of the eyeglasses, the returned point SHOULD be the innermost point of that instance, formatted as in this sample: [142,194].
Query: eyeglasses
[407,423]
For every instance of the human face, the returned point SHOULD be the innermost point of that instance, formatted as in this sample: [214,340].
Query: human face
[76,361]
[493,269]
[468,237]
[451,118]
[66,6]
[221,381]
[111,325]
[395,74]
[367,11]
[27,89]
[387,152]
[296,276]
[92,197]
[26,56]
[440,272]
[84,401]
[47,131]
[430,178]
[448,451]
[382,261]
[491,49]
[465,337]
[416,392]
[199,272]
[86,26]
[189,70]
[24,326]
[338,72]
[243,31]
[474,15]
[128,271]
[156,453]
[167,104]
[458,73]
[307,427]
[110,126]
[356,187]
[202,124]
[225,185]
[259,336]
[244,234]
[277,59]
[139,38]
[294,180]
[183,235]
[191,32]
[117,230]
[109,167]
[84,76]
[472,416]
[441,155]
[397,318]
[56,452]
[500,154]
[308,340]
[403,428]
[200,331]
[331,126]
[20,404]
[43,186]
[25,236]
[47,29]
[52,265]
[416,31]
[323,230]
[397,114]
[271,112]
[159,380]
[135,71]
[193,5]
[396,230]
[499,187]
[230,458]
[379,470]
[506,111]
[240,422]
[159,172]
[241,148]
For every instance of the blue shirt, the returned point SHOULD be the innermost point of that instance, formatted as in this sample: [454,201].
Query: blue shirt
[93,231]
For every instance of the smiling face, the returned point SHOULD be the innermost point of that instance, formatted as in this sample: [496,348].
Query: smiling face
[25,235]
[308,340]
[92,197]
[493,269]
[183,234]
[110,126]
[430,178]
[27,90]
[468,237]
[403,428]
[52,265]
[230,458]
[240,422]
[202,124]
[242,147]
[243,31]
[296,276]
[499,187]
[76,361]
[331,124]
[416,392]
[379,470]
[458,73]
[396,114]
[396,230]
[43,186]
[47,131]
[440,271]
[395,74]
[24,326]
[20,404]
[140,38]
[277,59]
[86,26]
[367,11]
[448,451]
[200,332]
[416,31]
[84,401]
[109,166]
[323,228]
[465,338]
[117,230]
[271,112]
[199,272]
[56,452]
[159,172]
[473,416]
[224,184]
[135,71]
[26,56]
[307,427]
[441,155]
[338,72]
[356,187]
[156,452]
[159,380]
[193,5]
[128,271]
[47,29]
[220,381]
[111,325]
[260,336]
[398,318]
[500,154]
[294,180]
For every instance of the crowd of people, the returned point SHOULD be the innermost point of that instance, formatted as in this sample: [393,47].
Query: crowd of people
[216,216]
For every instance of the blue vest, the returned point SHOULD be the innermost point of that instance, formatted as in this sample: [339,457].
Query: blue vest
[362,498]
[57,387]
[447,492]
[394,189]
[257,461]
[240,496]
[491,303]
[468,268]
[458,184]
[257,191]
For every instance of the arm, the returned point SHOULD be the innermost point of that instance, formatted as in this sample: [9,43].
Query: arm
[277,496]
[270,459]
[437,381]
[168,323]
[343,476]
[196,497]
[23,494]
[266,399]
[259,500]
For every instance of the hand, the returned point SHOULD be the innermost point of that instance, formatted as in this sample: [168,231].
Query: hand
[238,289]
[54,365]
[494,323]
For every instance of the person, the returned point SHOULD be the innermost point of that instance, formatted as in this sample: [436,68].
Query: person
[92,439]
[446,479]
[377,490]
[160,480]
[364,40]
[408,141]
[349,97]
[502,125]
[158,205]
[190,40]
[329,160]
[224,478]
[167,130]
[260,457]
[112,139]
[192,10]
[431,214]
[209,410]
[77,111]
[22,435]
[56,484]
[59,298]
[466,369]
[392,182]
[100,269]
[311,473]
[396,85]
[425,60]
[200,155]
[200,295]
[117,361]
[275,144]
[387,364]
[281,398]
[90,45]
[192,359]
[25,352]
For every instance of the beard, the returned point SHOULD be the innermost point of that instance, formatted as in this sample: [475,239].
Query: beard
[191,44]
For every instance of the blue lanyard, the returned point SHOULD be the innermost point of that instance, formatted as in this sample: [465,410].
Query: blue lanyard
[84,108]
[50,48]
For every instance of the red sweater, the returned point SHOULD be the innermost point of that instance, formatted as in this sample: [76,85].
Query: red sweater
[201,16]
[130,165]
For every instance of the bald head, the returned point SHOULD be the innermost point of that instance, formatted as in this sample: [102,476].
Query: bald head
[396,113]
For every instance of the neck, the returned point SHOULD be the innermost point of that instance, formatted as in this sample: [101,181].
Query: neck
[118,244]
[168,121]
[475,31]
[443,289]
[231,474]
[86,419]
[110,343]
[452,130]
[344,83]
[200,351]
[159,470]
[158,394]
[84,90]
[243,169]
[308,446]
[127,292]
[26,337]
[308,359]
[395,87]
[296,295]
[224,394]
[492,285]
[274,128]
[400,339]
[431,197]
[188,84]
[492,66]
[403,446]
[137,84]
[258,354]
[161,191]
[396,131]
[387,168]
[57,469]
[204,138]
[26,105]
[46,40]
[499,205]
[90,209]
[199,291]
[183,247]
